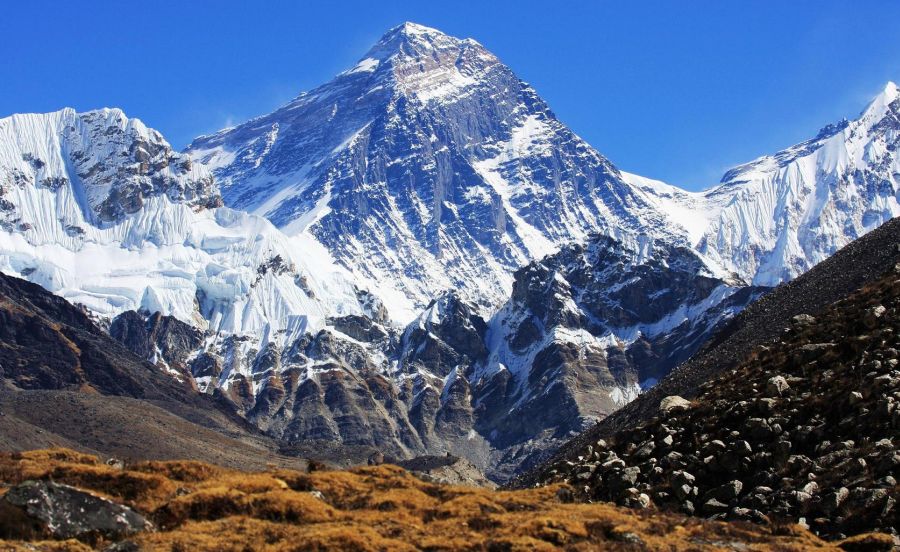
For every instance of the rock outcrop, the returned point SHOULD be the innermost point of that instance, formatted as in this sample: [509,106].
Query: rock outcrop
[584,331]
[447,470]
[47,509]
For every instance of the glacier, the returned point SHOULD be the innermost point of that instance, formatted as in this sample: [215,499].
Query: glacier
[97,208]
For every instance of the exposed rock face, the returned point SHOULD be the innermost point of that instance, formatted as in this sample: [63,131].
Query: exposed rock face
[449,334]
[805,428]
[163,340]
[63,512]
[114,163]
[579,338]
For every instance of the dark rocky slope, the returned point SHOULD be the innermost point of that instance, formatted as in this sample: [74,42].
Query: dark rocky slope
[47,343]
[861,262]
[804,429]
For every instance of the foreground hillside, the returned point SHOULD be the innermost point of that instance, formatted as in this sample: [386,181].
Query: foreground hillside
[195,506]
[804,428]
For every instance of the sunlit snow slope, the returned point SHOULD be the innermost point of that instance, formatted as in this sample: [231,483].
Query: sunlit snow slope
[97,208]
[774,218]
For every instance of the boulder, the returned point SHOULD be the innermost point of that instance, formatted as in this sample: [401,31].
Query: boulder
[777,386]
[682,484]
[803,320]
[620,480]
[673,403]
[636,499]
[727,492]
[713,506]
[872,318]
[64,512]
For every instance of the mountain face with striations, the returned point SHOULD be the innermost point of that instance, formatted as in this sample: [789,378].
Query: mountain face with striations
[427,166]
[774,218]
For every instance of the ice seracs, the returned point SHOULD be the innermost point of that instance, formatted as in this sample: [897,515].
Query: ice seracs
[97,208]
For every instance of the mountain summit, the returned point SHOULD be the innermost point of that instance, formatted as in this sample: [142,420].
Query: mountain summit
[429,165]
[427,64]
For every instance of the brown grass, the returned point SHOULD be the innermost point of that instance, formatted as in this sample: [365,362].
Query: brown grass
[206,508]
[70,545]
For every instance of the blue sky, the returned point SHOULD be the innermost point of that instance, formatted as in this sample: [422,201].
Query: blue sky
[673,90]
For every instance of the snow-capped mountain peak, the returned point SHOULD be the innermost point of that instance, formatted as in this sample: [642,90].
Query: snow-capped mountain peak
[112,163]
[427,166]
[412,40]
[98,208]
[882,104]
[425,63]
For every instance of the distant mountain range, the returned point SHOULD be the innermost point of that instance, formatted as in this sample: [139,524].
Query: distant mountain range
[418,256]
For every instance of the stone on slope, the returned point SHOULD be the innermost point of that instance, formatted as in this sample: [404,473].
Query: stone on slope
[64,512]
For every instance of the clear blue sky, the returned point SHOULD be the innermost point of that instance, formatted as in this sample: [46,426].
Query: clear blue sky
[672,90]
